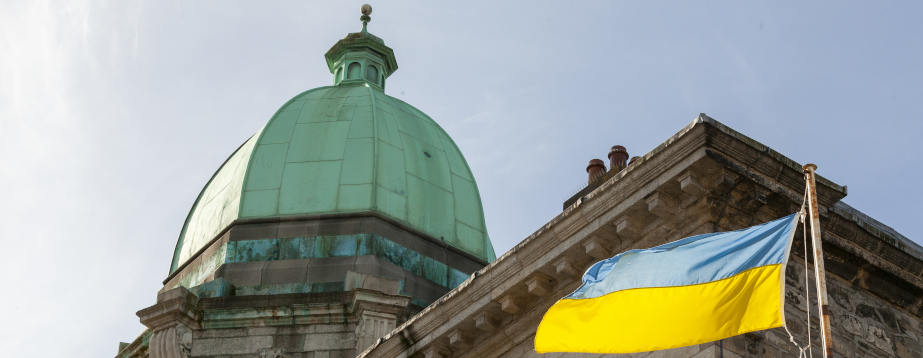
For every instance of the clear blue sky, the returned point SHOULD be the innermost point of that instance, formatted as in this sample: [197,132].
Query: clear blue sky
[114,114]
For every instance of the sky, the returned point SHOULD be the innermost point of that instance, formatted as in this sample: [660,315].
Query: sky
[114,114]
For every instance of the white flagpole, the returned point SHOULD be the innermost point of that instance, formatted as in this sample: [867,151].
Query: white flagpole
[819,272]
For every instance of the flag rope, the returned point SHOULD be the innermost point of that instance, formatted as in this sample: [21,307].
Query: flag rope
[805,351]
[807,281]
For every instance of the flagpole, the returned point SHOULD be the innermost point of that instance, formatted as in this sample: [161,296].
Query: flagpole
[819,273]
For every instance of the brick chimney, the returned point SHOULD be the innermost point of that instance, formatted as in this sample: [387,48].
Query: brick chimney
[595,170]
[618,158]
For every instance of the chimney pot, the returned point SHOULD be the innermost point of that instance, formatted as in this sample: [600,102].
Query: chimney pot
[618,156]
[595,170]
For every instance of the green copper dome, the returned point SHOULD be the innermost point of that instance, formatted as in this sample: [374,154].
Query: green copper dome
[348,148]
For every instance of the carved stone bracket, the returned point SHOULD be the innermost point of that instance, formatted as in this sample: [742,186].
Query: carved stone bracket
[458,340]
[564,267]
[377,315]
[373,325]
[627,227]
[484,322]
[436,350]
[689,183]
[508,304]
[595,248]
[662,205]
[171,320]
[539,284]
[375,301]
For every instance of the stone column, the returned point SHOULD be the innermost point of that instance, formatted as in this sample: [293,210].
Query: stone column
[171,320]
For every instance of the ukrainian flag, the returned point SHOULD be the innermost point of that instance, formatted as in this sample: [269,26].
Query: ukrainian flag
[691,291]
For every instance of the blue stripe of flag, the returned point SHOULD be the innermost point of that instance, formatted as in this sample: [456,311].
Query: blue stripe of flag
[692,260]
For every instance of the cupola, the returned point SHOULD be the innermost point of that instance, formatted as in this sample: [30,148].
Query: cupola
[361,58]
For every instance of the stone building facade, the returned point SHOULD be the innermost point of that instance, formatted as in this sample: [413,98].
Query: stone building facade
[706,178]
[351,226]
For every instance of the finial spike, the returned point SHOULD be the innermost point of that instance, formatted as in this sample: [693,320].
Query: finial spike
[366,10]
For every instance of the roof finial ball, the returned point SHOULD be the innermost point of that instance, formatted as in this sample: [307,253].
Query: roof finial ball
[365,18]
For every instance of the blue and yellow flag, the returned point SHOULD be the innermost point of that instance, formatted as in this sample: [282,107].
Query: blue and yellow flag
[691,291]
